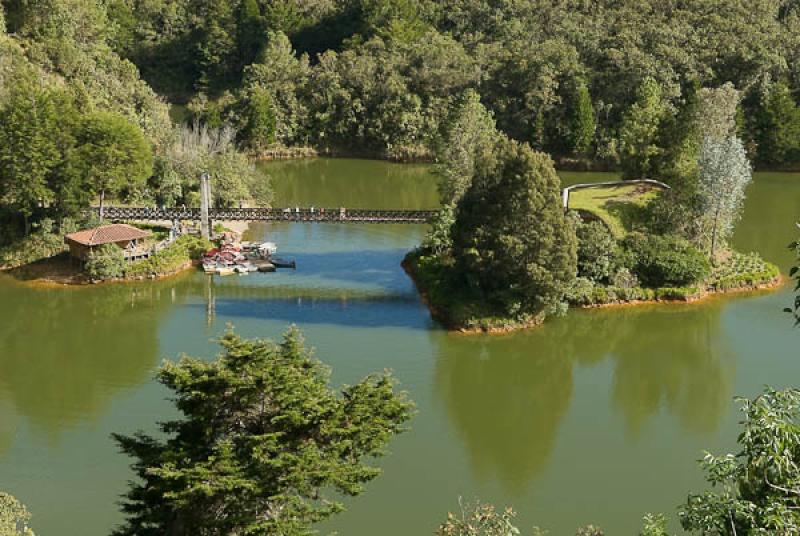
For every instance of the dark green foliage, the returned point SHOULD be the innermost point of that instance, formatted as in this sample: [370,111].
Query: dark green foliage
[596,250]
[469,135]
[106,262]
[561,76]
[439,240]
[175,257]
[112,154]
[582,123]
[777,131]
[45,240]
[250,29]
[640,130]
[674,212]
[262,445]
[261,123]
[664,261]
[34,137]
[754,491]
[512,241]
[794,273]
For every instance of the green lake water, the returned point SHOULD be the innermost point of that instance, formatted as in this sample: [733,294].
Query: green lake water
[598,417]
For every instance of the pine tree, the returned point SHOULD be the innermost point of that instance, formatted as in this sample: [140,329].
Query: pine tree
[640,130]
[582,120]
[251,35]
[261,122]
[264,445]
[778,129]
[29,149]
[512,240]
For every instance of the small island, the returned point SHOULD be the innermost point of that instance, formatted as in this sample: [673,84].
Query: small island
[511,248]
[116,252]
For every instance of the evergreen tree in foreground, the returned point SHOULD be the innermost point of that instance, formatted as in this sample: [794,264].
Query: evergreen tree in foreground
[511,239]
[262,440]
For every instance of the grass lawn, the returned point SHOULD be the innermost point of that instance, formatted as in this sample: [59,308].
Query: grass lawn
[620,206]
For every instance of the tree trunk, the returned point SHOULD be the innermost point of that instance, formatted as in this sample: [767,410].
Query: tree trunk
[714,238]
[102,202]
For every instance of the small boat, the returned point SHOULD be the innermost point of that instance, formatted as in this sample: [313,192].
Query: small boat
[209,268]
[284,263]
[266,267]
[267,248]
[225,270]
[245,268]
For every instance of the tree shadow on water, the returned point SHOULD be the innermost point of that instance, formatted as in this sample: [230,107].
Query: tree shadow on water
[508,396]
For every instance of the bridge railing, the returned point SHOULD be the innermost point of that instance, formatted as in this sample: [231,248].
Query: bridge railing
[293,214]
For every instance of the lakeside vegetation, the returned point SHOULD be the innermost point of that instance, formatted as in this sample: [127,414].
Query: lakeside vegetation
[377,77]
[78,126]
[694,94]
[504,255]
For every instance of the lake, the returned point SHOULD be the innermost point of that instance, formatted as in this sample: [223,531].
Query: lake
[597,417]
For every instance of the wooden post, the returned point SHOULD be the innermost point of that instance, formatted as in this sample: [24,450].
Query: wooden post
[204,206]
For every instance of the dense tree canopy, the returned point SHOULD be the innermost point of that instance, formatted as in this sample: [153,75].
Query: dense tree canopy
[374,75]
[511,238]
[262,444]
[112,155]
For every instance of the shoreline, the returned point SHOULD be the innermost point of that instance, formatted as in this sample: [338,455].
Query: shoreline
[562,163]
[53,272]
[452,327]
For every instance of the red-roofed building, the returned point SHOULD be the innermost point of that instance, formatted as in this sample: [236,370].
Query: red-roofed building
[83,243]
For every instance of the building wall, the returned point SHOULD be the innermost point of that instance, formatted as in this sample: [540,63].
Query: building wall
[79,251]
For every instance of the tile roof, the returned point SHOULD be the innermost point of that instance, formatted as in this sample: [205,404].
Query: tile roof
[107,234]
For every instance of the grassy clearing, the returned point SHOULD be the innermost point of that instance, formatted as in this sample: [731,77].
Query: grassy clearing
[620,206]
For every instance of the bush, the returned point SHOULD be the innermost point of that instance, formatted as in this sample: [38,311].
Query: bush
[185,249]
[580,292]
[623,278]
[741,271]
[664,261]
[596,251]
[108,262]
[45,241]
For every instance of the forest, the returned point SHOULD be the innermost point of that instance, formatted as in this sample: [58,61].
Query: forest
[130,100]
[378,77]
[593,84]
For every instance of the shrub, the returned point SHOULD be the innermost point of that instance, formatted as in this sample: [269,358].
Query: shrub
[743,270]
[596,249]
[180,252]
[108,262]
[580,292]
[45,241]
[664,261]
[623,278]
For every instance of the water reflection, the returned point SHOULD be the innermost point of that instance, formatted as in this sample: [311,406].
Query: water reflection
[507,396]
[66,352]
[327,182]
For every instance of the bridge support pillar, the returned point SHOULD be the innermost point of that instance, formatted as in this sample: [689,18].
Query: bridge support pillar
[205,202]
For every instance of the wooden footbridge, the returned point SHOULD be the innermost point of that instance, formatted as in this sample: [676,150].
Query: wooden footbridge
[294,214]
